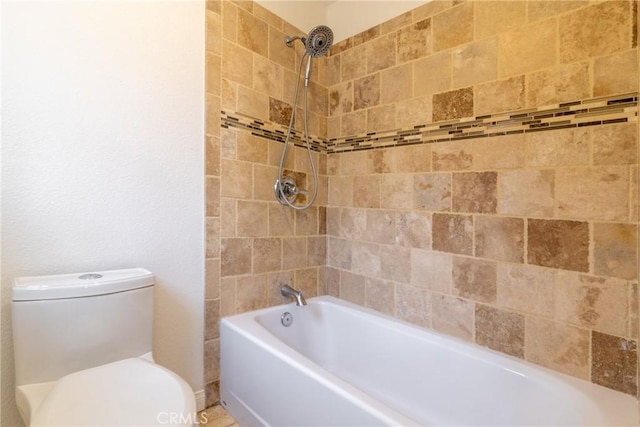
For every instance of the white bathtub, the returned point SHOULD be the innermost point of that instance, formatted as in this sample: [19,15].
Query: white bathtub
[342,365]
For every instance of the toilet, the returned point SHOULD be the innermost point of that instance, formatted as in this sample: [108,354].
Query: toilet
[83,353]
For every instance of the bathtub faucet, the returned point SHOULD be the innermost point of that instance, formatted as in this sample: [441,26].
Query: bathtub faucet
[288,291]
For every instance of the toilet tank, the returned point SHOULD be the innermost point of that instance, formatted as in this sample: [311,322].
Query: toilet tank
[70,322]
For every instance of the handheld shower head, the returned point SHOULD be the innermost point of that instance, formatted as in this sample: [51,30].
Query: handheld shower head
[318,41]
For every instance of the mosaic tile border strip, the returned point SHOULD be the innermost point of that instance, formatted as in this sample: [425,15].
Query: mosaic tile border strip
[591,112]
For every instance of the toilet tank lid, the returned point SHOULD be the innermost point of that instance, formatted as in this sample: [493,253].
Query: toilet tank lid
[60,286]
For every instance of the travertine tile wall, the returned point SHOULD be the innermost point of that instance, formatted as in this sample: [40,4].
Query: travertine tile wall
[253,243]
[526,244]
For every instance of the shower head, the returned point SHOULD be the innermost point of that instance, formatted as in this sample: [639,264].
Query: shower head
[318,41]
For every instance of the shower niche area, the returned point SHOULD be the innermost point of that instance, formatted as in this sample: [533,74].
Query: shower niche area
[476,171]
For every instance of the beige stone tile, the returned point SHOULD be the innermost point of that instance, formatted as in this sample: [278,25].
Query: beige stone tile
[211,360]
[275,280]
[339,253]
[333,164]
[414,41]
[396,84]
[617,73]
[267,16]
[410,159]
[307,221]
[592,302]
[331,278]
[528,48]
[593,193]
[263,180]
[499,238]
[216,417]
[395,23]
[235,256]
[564,147]
[229,21]
[279,112]
[227,217]
[614,363]
[634,308]
[380,226]
[453,233]
[413,305]
[317,247]
[334,127]
[538,200]
[212,124]
[352,288]
[431,270]
[499,152]
[381,54]
[341,46]
[396,191]
[610,20]
[560,84]
[540,9]
[228,143]
[318,99]
[558,244]
[237,179]
[413,229]
[251,293]
[474,192]
[307,281]
[252,33]
[341,99]
[356,163]
[294,253]
[382,160]
[452,156]
[228,97]
[379,295]
[432,192]
[365,258]
[381,118]
[454,104]
[429,9]
[353,123]
[499,96]
[452,316]
[252,219]
[432,74]
[341,190]
[614,144]
[212,153]
[330,73]
[213,41]
[366,92]
[395,263]
[278,51]
[353,64]
[366,191]
[212,278]
[212,249]
[212,196]
[413,111]
[237,64]
[615,251]
[250,148]
[475,279]
[212,74]
[557,346]
[453,27]
[633,202]
[212,317]
[267,254]
[493,17]
[475,62]
[267,77]
[366,35]
[227,296]
[526,288]
[500,330]
[281,220]
[253,103]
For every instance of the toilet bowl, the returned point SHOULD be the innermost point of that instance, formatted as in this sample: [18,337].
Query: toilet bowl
[82,346]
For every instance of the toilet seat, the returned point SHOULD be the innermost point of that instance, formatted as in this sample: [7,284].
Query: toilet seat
[129,392]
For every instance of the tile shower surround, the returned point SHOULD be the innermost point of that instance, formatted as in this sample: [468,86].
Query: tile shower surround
[422,213]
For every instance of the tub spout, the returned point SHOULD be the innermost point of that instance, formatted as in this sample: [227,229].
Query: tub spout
[288,291]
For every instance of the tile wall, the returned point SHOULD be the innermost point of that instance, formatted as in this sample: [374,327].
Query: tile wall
[524,242]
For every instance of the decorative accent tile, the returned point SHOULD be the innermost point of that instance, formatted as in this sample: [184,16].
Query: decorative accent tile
[567,115]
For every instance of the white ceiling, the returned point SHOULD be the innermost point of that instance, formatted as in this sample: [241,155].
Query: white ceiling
[345,17]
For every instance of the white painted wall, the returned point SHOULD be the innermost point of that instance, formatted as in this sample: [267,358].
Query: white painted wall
[345,17]
[103,154]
